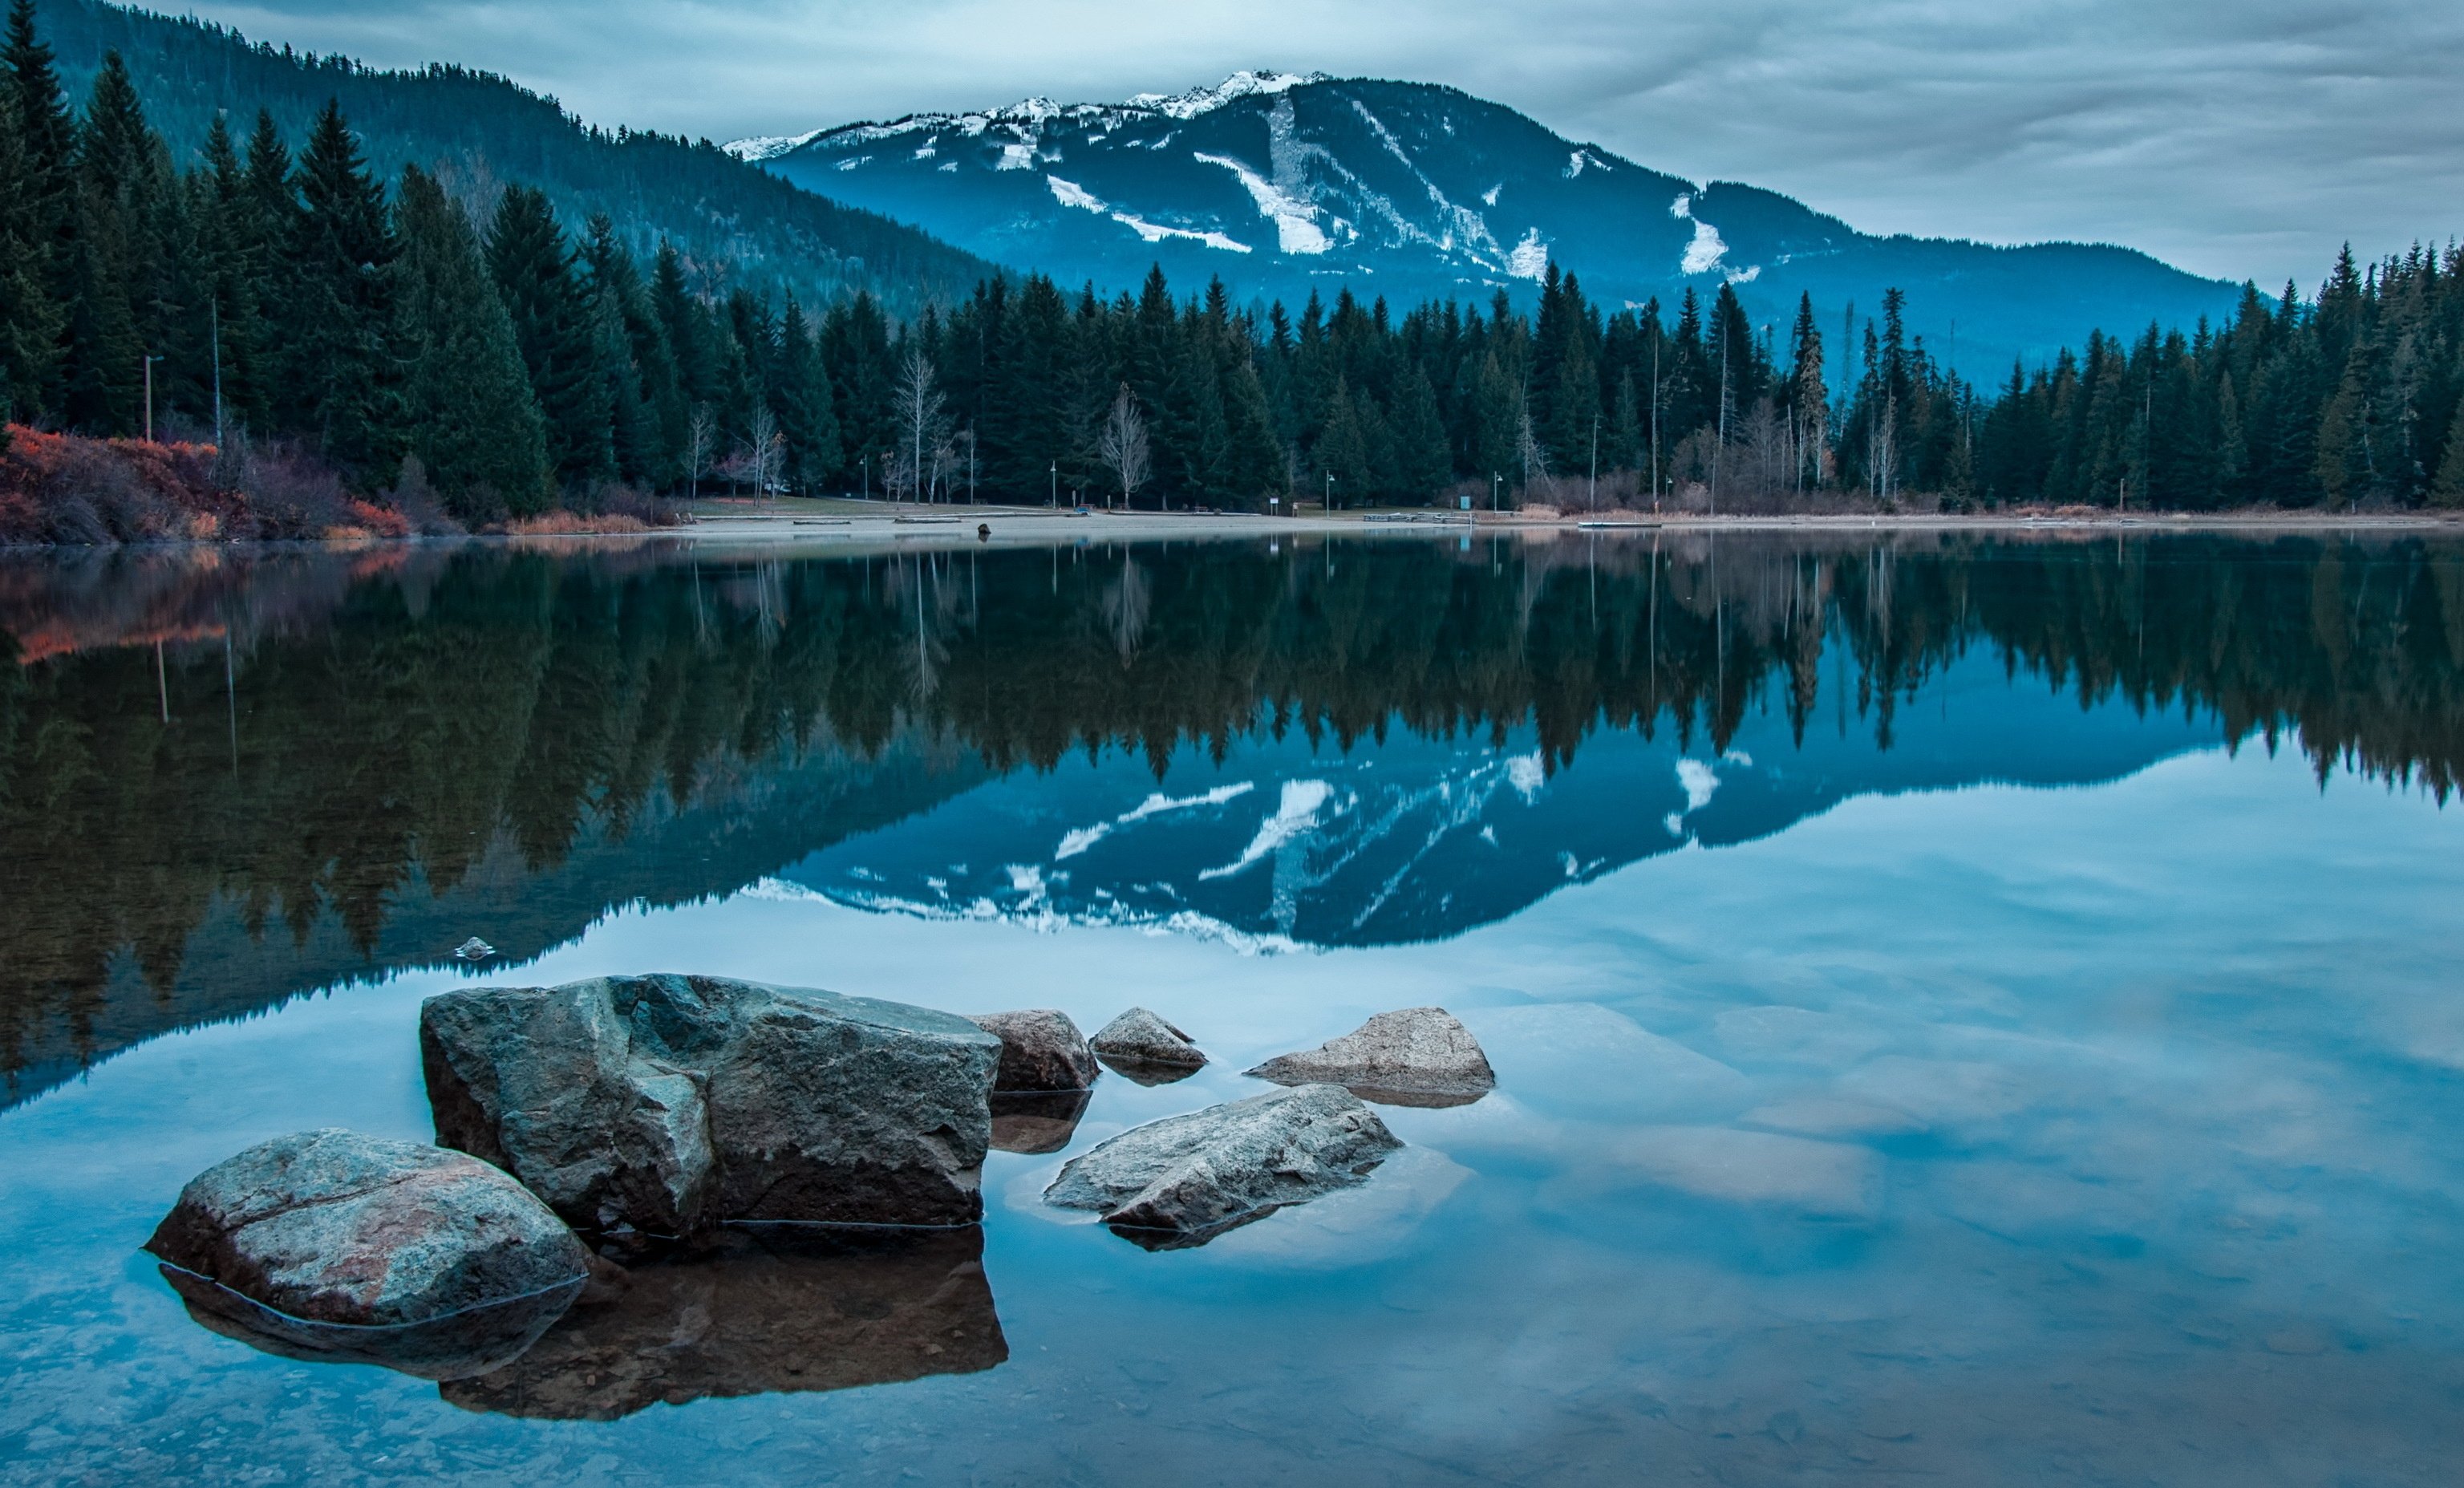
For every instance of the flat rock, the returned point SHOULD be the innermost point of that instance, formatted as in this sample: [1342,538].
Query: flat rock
[1186,1179]
[332,1245]
[1041,1050]
[1416,1056]
[1144,1048]
[761,1309]
[671,1103]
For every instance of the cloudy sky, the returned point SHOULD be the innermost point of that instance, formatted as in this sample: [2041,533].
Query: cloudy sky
[2238,137]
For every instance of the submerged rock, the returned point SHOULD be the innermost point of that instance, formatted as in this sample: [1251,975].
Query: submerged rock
[670,1104]
[765,1309]
[1144,1048]
[1041,1050]
[1036,1120]
[331,1245]
[1186,1179]
[1416,1056]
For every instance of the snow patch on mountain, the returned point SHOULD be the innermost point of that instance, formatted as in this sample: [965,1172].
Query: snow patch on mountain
[769,146]
[1529,259]
[1242,84]
[1069,193]
[1704,255]
[1296,228]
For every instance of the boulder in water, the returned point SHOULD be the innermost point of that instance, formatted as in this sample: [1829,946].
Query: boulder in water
[1144,1048]
[671,1103]
[331,1245]
[1041,1050]
[1186,1179]
[1416,1056]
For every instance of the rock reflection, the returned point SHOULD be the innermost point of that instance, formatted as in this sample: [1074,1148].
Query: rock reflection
[765,1309]
[1036,1120]
[460,1345]
[1142,1072]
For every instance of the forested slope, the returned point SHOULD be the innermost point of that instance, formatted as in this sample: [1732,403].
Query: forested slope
[478,132]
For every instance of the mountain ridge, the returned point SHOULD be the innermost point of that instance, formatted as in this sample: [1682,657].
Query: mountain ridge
[476,132]
[1282,183]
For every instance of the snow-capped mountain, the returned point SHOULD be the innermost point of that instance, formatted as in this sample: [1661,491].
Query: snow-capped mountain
[1283,184]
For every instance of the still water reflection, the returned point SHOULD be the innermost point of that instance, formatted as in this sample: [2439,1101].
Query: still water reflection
[1968,1008]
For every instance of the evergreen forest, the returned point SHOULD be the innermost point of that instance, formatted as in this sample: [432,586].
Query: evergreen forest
[450,343]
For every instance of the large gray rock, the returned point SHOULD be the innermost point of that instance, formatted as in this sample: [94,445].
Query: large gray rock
[670,1104]
[1416,1057]
[1146,1048]
[548,1083]
[1041,1050]
[1187,1179]
[331,1245]
[774,1308]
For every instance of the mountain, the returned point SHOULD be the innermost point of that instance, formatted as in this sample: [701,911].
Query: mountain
[1285,184]
[479,132]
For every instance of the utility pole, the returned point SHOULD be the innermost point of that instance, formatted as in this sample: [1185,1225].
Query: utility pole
[1655,418]
[214,313]
[1721,446]
[149,398]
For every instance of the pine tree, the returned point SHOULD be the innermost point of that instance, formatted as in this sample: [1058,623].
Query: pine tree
[114,258]
[553,325]
[2448,490]
[1421,465]
[473,422]
[29,320]
[45,209]
[802,398]
[645,392]
[336,314]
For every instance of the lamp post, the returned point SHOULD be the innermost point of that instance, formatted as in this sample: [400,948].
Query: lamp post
[1329,490]
[1056,485]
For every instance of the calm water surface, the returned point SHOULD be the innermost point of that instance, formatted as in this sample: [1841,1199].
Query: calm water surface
[1971,1011]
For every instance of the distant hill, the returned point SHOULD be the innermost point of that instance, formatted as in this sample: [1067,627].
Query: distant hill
[1283,184]
[479,132]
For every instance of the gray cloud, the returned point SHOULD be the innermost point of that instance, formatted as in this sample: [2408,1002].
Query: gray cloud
[2237,139]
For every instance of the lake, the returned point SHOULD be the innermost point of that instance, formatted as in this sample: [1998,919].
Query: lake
[1971,1007]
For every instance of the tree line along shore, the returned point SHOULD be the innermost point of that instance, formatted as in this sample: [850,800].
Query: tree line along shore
[265,340]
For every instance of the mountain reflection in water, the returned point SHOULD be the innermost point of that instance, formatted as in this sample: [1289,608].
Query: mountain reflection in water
[229,779]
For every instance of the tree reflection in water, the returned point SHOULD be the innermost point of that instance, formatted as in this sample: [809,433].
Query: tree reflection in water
[228,778]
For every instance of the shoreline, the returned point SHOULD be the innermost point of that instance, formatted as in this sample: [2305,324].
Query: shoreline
[833,523]
[836,524]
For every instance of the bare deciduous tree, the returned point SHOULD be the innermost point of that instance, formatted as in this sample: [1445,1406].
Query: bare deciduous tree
[917,403]
[1122,446]
[767,449]
[701,437]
